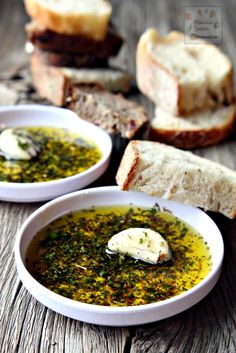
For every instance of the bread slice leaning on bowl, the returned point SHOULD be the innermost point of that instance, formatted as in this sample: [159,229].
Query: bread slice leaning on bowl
[165,171]
[196,130]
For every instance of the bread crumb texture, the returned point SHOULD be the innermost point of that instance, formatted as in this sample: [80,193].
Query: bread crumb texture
[184,72]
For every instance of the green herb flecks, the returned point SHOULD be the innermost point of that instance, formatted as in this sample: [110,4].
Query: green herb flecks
[61,154]
[69,257]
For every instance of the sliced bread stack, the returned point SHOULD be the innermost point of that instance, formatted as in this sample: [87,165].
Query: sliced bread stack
[191,86]
[71,42]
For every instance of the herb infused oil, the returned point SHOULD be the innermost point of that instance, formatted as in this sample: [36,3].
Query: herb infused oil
[69,257]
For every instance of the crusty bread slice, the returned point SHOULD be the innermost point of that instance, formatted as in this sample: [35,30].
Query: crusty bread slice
[181,78]
[86,17]
[197,130]
[171,173]
[53,82]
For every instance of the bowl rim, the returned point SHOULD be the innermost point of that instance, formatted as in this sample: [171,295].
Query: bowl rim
[100,309]
[45,108]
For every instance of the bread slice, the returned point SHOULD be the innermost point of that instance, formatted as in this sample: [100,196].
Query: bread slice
[45,39]
[64,59]
[112,112]
[86,17]
[197,130]
[53,82]
[165,171]
[181,78]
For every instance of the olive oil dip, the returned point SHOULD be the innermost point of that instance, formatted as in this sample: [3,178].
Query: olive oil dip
[69,257]
[43,153]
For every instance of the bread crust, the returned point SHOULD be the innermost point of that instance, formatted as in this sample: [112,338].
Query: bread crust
[128,166]
[152,77]
[92,25]
[187,138]
[191,139]
[228,88]
[49,81]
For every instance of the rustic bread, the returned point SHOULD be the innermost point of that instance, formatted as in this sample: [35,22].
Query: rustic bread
[170,173]
[180,78]
[112,112]
[45,39]
[53,82]
[89,18]
[197,130]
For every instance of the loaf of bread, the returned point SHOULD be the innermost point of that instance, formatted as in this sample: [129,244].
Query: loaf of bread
[196,130]
[165,171]
[85,17]
[181,78]
[112,112]
[53,82]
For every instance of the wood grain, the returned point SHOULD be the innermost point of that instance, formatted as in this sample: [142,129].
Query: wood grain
[29,327]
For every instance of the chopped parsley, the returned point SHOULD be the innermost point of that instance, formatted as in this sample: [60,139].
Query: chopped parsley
[61,154]
[69,257]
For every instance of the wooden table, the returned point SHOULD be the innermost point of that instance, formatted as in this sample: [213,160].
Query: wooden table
[26,325]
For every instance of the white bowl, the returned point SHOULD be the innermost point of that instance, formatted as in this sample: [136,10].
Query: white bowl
[39,115]
[108,315]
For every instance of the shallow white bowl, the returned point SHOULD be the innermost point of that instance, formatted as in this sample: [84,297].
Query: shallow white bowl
[39,115]
[117,316]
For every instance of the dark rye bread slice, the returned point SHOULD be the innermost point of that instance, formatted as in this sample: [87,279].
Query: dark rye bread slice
[48,40]
[112,112]
[68,60]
